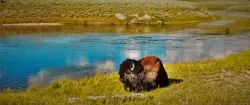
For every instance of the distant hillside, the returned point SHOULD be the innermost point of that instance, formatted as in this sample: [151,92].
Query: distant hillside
[229,5]
[111,11]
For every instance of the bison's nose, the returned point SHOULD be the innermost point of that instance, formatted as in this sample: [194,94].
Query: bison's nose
[128,72]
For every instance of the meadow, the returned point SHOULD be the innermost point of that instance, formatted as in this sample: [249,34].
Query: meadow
[229,5]
[211,81]
[103,11]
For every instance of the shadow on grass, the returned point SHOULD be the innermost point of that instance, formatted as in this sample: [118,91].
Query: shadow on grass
[174,81]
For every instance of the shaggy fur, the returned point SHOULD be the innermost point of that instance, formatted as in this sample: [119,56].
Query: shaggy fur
[146,74]
[154,72]
[129,74]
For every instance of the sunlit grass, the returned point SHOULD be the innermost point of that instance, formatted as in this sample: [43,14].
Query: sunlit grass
[239,8]
[222,81]
[234,5]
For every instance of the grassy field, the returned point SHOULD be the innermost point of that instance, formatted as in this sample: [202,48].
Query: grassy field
[230,5]
[223,81]
[102,11]
[239,8]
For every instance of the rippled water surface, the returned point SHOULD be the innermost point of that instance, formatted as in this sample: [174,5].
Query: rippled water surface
[38,57]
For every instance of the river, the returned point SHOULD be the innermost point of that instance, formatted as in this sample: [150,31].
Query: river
[41,54]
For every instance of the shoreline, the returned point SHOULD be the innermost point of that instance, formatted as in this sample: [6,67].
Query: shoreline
[100,23]
[33,24]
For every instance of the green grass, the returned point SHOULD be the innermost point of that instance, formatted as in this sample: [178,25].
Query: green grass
[90,12]
[223,4]
[222,81]
[239,8]
[217,5]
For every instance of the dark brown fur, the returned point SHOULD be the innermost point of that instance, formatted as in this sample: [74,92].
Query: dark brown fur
[154,72]
[130,78]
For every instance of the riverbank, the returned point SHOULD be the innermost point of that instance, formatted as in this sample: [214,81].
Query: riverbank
[33,24]
[94,23]
[103,12]
[221,81]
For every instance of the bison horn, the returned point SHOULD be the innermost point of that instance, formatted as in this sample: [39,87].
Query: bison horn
[133,66]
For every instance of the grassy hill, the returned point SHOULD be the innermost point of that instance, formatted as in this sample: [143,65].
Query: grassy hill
[102,11]
[229,5]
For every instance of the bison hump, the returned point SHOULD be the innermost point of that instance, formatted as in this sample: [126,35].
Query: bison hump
[150,63]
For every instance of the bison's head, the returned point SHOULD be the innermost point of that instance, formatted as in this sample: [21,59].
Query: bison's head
[129,72]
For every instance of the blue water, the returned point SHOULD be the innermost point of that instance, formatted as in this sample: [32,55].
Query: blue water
[39,59]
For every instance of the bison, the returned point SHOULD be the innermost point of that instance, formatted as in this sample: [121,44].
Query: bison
[144,75]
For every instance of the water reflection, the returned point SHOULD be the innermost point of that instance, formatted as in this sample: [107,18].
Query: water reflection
[15,30]
[105,67]
[45,76]
[39,60]
[218,23]
[133,54]
[233,14]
